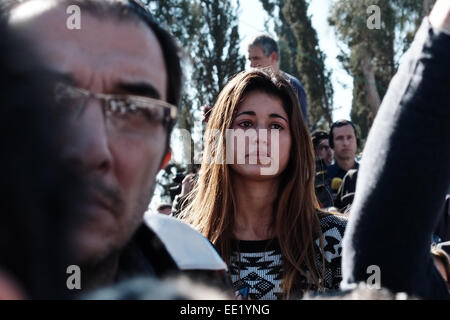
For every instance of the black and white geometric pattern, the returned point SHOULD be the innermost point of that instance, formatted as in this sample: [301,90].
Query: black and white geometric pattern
[333,227]
[259,273]
[257,266]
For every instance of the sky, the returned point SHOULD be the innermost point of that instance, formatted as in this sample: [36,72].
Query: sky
[251,21]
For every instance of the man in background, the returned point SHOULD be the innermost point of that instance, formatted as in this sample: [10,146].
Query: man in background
[344,140]
[322,147]
[263,52]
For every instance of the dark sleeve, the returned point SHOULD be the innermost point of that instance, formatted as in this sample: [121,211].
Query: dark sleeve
[404,175]
[333,228]
[346,192]
[303,102]
[297,85]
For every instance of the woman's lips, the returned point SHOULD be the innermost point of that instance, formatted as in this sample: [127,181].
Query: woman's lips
[261,159]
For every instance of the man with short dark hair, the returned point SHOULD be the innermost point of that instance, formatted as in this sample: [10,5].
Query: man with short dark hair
[263,52]
[124,82]
[344,141]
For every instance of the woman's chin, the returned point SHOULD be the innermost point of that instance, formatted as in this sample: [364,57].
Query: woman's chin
[257,172]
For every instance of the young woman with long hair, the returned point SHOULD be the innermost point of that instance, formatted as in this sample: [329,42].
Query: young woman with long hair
[266,225]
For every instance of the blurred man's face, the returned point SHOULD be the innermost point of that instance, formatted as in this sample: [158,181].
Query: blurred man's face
[258,59]
[344,142]
[323,151]
[113,57]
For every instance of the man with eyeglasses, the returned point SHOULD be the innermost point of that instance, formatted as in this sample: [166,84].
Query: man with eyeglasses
[322,147]
[324,157]
[123,80]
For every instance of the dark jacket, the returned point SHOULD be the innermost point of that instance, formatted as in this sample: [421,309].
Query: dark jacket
[404,176]
[346,192]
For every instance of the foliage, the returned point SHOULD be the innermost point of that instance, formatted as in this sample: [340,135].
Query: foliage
[301,56]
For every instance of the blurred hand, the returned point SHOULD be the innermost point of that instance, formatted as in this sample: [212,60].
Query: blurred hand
[187,184]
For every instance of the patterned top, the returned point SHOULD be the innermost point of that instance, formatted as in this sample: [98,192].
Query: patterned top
[259,274]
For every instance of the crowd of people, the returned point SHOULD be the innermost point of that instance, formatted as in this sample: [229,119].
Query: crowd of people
[274,211]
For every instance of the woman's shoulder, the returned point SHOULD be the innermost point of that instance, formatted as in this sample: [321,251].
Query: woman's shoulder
[331,222]
[330,246]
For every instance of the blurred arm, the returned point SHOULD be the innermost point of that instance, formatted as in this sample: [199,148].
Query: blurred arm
[405,171]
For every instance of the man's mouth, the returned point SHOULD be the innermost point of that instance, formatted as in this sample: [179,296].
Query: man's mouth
[103,199]
[96,204]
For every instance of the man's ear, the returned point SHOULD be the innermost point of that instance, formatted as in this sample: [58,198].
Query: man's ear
[274,57]
[166,159]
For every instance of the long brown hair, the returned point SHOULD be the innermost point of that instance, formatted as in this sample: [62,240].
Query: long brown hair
[295,221]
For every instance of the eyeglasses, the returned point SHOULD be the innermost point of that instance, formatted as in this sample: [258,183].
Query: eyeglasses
[323,148]
[125,114]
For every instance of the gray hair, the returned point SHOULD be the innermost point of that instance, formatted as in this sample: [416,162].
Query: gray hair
[267,44]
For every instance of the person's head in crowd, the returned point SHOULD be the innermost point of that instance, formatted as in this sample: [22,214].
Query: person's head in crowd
[164,208]
[344,141]
[263,52]
[259,99]
[125,80]
[39,192]
[442,263]
[322,146]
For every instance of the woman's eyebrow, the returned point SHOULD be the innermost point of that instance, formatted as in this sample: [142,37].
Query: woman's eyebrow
[250,113]
[272,115]
[276,115]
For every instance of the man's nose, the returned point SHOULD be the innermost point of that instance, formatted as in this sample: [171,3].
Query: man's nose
[87,140]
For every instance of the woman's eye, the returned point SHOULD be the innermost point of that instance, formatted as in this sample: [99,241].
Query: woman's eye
[276,126]
[245,124]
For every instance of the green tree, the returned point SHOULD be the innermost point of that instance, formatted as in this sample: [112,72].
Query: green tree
[371,58]
[182,18]
[207,32]
[374,53]
[311,61]
[301,56]
[216,55]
